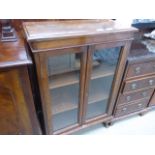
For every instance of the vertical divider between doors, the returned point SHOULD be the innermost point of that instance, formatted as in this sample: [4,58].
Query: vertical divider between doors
[87,81]
[82,83]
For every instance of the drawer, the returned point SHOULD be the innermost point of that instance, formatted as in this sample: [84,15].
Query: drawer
[136,85]
[123,99]
[136,106]
[141,69]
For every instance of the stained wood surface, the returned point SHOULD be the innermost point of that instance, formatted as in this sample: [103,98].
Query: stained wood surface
[17,112]
[43,36]
[61,29]
[13,53]
[135,106]
[47,39]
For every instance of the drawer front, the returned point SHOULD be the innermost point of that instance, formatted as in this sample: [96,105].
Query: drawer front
[123,110]
[141,69]
[124,99]
[135,85]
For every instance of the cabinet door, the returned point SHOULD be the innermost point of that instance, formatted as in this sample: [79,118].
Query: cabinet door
[104,72]
[62,75]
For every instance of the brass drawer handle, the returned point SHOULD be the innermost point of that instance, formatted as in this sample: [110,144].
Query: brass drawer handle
[144,94]
[124,109]
[128,98]
[140,104]
[151,82]
[137,70]
[134,86]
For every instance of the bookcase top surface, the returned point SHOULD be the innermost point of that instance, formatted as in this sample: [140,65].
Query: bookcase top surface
[50,30]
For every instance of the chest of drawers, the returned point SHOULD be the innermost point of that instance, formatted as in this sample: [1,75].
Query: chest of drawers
[138,84]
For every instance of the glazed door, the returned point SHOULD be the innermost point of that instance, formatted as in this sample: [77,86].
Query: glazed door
[104,71]
[64,71]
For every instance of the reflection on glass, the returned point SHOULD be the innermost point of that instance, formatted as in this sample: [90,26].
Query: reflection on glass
[64,72]
[101,80]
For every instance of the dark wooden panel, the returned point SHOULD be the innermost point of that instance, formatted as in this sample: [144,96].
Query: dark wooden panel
[17,113]
[9,123]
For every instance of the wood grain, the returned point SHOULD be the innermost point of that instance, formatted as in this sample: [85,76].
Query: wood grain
[49,39]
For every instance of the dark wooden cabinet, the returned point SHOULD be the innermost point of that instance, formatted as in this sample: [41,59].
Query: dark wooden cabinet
[17,111]
[136,93]
[79,67]
[138,84]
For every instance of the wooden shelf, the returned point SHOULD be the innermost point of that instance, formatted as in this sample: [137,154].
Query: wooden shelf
[70,78]
[65,79]
[66,106]
[102,70]
[99,96]
[64,98]
[99,89]
[69,101]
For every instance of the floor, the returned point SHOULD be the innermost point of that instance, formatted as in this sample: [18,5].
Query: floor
[136,125]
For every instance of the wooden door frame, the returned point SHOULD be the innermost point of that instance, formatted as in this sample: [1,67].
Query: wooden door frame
[41,66]
[116,81]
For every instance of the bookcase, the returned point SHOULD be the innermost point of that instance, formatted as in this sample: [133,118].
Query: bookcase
[79,66]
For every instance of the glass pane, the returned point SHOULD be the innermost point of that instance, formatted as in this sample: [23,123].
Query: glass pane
[64,76]
[102,75]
